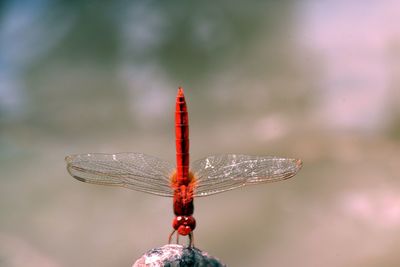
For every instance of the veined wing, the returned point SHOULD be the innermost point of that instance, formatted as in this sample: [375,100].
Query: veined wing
[219,173]
[132,170]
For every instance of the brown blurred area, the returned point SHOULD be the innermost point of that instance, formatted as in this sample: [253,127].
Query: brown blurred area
[306,79]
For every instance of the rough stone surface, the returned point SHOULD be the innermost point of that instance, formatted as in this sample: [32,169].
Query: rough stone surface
[176,256]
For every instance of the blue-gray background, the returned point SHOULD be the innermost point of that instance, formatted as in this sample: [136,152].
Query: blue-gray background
[317,80]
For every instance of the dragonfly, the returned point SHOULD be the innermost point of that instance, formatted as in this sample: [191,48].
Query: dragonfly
[184,181]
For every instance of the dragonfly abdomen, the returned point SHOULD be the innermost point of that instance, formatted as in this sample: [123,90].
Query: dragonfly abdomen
[182,139]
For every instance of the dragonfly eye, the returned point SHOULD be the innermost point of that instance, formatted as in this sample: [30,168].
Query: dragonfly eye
[184,224]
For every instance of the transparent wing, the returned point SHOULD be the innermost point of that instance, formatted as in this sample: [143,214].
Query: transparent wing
[219,173]
[132,170]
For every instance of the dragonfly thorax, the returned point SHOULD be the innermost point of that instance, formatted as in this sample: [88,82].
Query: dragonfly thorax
[184,224]
[183,201]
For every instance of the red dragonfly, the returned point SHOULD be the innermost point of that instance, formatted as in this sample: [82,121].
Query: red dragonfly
[211,175]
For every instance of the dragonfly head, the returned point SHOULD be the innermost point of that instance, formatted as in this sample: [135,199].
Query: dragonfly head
[184,224]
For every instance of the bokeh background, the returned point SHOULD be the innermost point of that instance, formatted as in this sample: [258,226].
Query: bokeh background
[316,80]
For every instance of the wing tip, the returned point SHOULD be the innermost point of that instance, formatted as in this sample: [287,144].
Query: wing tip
[70,168]
[299,163]
[68,159]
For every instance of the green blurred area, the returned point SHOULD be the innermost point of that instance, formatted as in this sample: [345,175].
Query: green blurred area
[295,79]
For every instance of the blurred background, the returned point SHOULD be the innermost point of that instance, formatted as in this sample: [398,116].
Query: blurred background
[316,80]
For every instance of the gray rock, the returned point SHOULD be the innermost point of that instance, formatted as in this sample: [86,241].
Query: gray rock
[173,255]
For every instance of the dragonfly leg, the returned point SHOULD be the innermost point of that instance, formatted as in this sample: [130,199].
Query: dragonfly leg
[170,236]
[191,240]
